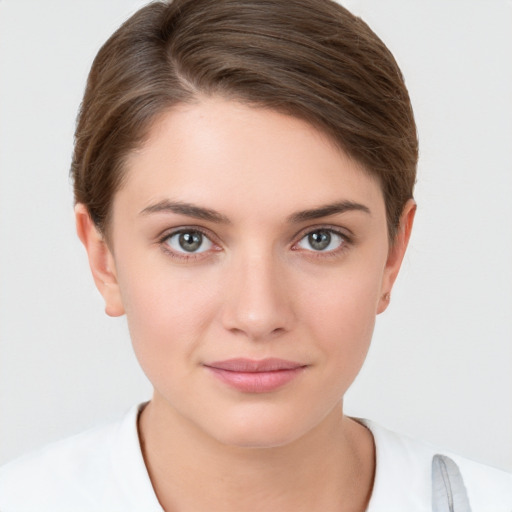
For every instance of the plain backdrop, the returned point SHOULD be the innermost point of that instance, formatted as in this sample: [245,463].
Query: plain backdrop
[440,367]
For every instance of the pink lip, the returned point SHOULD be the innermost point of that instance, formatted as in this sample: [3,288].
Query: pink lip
[256,376]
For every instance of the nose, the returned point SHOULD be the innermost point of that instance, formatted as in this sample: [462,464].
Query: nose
[257,299]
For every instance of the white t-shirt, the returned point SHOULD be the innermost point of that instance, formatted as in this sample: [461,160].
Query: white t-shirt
[102,470]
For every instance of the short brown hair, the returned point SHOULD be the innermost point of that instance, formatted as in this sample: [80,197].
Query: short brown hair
[311,59]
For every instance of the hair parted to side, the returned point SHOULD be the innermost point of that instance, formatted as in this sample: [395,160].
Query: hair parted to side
[311,59]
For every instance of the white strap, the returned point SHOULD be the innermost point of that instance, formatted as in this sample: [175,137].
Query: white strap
[448,490]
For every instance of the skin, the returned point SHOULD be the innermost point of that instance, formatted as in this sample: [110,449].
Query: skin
[255,183]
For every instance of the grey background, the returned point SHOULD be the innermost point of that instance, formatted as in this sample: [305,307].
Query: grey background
[440,366]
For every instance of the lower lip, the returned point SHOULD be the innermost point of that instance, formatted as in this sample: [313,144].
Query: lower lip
[256,382]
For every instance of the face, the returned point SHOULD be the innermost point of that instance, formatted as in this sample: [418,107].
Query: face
[251,257]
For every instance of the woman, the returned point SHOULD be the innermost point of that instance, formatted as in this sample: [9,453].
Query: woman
[244,177]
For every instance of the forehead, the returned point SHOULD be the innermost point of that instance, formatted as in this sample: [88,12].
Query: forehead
[228,155]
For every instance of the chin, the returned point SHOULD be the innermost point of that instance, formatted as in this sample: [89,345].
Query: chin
[257,438]
[261,430]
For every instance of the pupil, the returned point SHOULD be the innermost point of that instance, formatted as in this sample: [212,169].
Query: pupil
[319,240]
[190,241]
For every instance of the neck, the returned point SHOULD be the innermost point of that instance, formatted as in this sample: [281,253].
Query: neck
[330,468]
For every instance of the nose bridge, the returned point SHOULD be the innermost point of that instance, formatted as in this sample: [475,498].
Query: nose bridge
[258,301]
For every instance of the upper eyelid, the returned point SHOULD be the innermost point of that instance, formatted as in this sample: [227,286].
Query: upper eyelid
[346,233]
[184,256]
[167,233]
[343,232]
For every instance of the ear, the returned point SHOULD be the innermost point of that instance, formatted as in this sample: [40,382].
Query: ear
[396,254]
[101,261]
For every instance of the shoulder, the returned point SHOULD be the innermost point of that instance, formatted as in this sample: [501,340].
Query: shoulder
[403,478]
[92,471]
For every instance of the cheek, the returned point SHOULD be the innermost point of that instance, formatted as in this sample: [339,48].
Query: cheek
[341,317]
[167,313]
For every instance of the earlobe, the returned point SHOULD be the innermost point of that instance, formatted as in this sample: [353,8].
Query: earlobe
[396,254]
[101,261]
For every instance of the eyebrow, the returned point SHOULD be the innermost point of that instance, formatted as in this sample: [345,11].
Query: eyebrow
[199,212]
[188,209]
[327,210]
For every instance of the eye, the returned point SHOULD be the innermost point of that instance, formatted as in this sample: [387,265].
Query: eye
[189,241]
[321,240]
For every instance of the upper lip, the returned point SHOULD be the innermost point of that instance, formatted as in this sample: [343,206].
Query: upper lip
[254,366]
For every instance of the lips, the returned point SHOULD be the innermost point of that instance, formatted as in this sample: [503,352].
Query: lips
[256,376]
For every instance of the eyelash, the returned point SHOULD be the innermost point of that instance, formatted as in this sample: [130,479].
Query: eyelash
[187,256]
[346,242]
